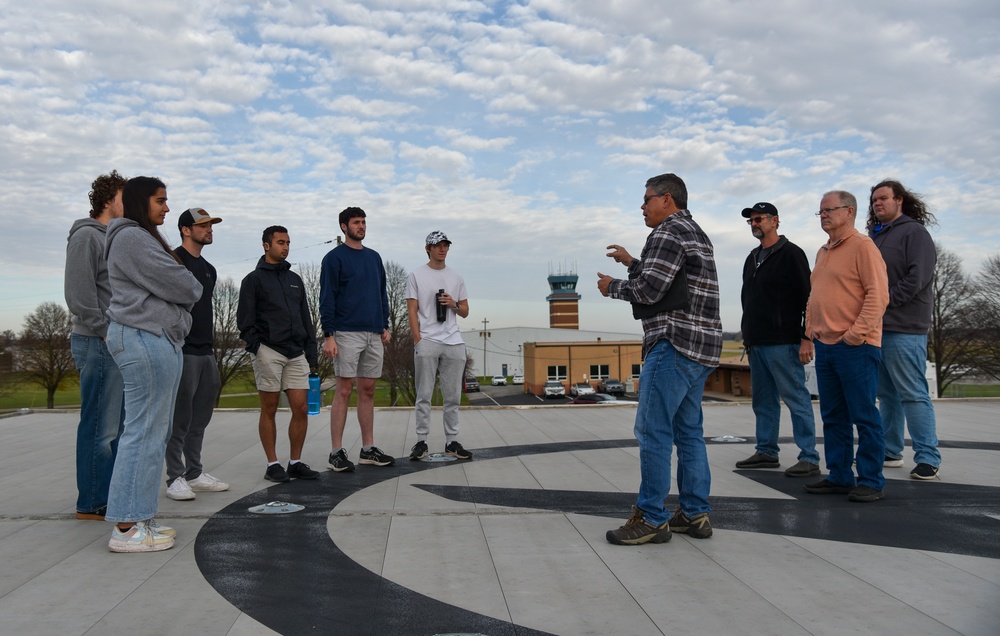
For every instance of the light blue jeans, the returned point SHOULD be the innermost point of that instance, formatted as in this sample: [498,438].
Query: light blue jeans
[669,413]
[429,360]
[101,415]
[151,368]
[903,395]
[775,371]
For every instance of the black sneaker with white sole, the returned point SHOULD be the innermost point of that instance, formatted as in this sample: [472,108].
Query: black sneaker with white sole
[925,472]
[339,463]
[419,451]
[455,450]
[375,457]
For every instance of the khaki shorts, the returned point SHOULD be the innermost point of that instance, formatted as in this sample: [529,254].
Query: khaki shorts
[359,354]
[274,372]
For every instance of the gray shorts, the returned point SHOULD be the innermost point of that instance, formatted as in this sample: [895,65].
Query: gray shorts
[359,354]
[274,372]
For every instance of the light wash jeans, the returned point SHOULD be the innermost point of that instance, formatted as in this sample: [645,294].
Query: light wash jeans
[775,371]
[903,395]
[196,394]
[847,378]
[430,359]
[669,413]
[151,368]
[102,400]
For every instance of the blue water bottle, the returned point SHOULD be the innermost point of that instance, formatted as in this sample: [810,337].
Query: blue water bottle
[313,399]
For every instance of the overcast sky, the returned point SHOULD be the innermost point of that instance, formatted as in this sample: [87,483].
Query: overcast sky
[524,130]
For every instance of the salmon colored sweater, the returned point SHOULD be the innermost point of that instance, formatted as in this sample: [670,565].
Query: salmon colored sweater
[850,291]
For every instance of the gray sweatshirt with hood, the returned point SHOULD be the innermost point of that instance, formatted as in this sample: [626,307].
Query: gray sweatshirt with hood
[150,291]
[85,283]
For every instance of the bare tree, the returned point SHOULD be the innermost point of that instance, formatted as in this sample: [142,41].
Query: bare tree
[398,369]
[310,274]
[986,317]
[231,357]
[45,357]
[952,341]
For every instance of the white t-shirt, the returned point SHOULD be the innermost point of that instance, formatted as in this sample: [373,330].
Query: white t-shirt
[423,284]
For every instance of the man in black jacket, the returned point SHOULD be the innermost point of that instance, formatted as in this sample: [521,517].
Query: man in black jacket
[775,291]
[274,321]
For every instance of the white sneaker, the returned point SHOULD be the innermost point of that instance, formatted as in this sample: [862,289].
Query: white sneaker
[155,526]
[139,538]
[179,490]
[206,483]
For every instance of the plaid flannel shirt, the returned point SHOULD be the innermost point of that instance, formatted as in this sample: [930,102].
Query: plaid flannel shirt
[696,332]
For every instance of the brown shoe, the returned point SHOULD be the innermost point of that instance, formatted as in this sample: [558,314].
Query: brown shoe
[97,515]
[636,531]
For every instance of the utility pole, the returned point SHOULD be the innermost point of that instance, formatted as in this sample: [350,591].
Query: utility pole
[485,334]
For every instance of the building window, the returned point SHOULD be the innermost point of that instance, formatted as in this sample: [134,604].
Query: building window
[557,372]
[600,371]
[636,370]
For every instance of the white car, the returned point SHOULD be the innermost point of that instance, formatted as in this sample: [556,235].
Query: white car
[499,380]
[518,379]
[554,388]
[581,388]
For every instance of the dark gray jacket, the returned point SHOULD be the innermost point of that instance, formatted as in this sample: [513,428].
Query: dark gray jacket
[85,283]
[909,256]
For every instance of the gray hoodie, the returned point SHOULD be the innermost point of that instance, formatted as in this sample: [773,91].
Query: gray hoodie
[85,283]
[149,289]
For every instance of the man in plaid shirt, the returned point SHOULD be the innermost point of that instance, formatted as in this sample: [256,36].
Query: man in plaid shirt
[682,341]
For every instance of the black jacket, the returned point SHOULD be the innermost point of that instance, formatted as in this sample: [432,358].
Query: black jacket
[774,295]
[273,310]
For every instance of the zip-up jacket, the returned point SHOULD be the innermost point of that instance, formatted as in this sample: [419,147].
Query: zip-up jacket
[908,252]
[774,295]
[273,310]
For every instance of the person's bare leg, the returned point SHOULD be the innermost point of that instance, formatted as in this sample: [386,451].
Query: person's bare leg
[299,424]
[266,426]
[338,411]
[366,410]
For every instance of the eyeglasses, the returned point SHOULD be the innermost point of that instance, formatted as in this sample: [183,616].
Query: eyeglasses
[823,211]
[757,219]
[646,199]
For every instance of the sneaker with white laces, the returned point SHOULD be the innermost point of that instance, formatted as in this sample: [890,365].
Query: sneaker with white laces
[206,483]
[155,526]
[179,490]
[139,538]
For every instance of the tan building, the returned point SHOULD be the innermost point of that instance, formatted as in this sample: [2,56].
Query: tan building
[572,362]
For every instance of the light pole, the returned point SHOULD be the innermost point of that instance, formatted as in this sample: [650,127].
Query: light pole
[485,335]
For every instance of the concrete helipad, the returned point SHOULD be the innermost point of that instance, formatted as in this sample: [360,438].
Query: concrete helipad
[509,543]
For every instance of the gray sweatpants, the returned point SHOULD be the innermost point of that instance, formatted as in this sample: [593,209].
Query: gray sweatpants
[430,359]
[196,395]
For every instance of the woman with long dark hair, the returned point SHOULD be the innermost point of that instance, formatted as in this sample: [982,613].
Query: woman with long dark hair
[151,296]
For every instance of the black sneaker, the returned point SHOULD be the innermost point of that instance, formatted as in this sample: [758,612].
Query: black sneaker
[758,460]
[636,531]
[419,451]
[697,527]
[339,462]
[827,487]
[375,457]
[276,472]
[864,494]
[455,450]
[301,470]
[803,469]
[925,472]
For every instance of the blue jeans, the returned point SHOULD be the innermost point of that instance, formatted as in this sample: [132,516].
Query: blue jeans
[903,395]
[775,371]
[847,378]
[669,413]
[151,368]
[102,412]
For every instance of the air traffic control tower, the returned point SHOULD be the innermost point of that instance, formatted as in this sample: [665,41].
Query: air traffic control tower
[564,309]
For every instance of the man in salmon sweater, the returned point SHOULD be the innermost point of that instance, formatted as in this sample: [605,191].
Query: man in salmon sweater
[850,292]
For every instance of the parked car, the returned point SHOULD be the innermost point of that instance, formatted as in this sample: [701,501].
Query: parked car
[554,388]
[518,378]
[499,380]
[581,388]
[470,384]
[613,386]
[595,398]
